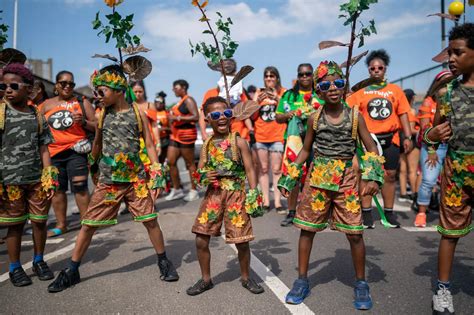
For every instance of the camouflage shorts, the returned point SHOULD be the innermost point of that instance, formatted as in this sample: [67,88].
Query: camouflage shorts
[106,199]
[228,206]
[19,203]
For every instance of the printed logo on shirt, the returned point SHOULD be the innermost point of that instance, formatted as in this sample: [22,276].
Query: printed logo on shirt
[380,108]
[267,113]
[61,120]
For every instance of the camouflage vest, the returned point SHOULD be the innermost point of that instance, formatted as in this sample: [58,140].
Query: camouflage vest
[458,109]
[3,113]
[336,141]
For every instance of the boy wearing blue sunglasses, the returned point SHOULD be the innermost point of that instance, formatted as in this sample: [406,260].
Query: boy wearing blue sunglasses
[225,164]
[331,189]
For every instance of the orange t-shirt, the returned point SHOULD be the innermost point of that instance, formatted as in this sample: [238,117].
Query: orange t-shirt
[267,129]
[381,108]
[427,109]
[236,125]
[184,132]
[65,132]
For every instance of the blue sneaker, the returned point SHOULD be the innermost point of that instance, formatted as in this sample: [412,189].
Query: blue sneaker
[362,298]
[299,292]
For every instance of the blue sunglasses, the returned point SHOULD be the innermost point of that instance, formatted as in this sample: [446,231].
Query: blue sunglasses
[326,85]
[216,115]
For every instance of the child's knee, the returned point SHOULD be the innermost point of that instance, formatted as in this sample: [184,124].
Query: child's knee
[355,238]
[202,241]
[151,224]
[243,246]
[390,176]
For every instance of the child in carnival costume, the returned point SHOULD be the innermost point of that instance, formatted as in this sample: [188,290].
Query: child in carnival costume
[122,175]
[224,164]
[454,125]
[27,179]
[331,189]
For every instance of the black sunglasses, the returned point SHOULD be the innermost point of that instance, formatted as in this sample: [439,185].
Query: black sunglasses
[380,68]
[64,84]
[13,86]
[98,93]
[304,74]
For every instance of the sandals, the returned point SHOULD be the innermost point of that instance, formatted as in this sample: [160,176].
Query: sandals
[56,232]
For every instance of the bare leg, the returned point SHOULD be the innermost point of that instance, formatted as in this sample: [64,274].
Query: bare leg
[14,241]
[447,247]
[276,158]
[188,156]
[413,159]
[388,189]
[243,250]
[60,208]
[263,175]
[82,197]
[173,155]
[83,241]
[358,254]
[204,255]
[156,235]
[39,236]
[293,198]
[305,245]
[403,174]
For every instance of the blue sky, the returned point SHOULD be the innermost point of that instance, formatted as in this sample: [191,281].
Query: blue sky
[282,33]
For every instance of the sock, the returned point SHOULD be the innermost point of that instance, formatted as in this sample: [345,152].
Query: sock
[440,284]
[15,265]
[292,212]
[37,258]
[74,265]
[161,256]
[387,209]
[367,209]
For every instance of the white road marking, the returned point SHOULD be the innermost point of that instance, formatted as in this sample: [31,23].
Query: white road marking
[275,284]
[418,229]
[53,255]
[48,241]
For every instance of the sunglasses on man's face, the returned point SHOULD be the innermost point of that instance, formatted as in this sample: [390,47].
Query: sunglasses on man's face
[13,86]
[64,84]
[269,76]
[326,85]
[304,74]
[217,115]
[380,68]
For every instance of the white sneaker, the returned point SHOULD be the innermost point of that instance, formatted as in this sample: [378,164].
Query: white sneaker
[192,195]
[443,302]
[175,194]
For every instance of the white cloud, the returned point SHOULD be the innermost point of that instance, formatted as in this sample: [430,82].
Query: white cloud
[79,2]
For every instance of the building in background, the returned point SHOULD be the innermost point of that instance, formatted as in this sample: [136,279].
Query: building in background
[41,68]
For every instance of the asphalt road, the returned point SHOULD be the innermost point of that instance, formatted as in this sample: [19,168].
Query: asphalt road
[119,272]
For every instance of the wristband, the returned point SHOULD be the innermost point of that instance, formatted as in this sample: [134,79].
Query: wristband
[157,176]
[372,168]
[426,139]
[254,203]
[49,178]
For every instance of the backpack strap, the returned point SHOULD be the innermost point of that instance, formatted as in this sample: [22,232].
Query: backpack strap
[100,123]
[233,146]
[3,115]
[355,122]
[204,149]
[139,118]
[3,108]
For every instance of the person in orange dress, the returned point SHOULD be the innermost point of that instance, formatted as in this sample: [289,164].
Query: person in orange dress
[183,117]
[69,122]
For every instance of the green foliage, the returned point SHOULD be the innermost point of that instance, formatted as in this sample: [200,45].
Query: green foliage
[3,33]
[351,12]
[214,53]
[118,28]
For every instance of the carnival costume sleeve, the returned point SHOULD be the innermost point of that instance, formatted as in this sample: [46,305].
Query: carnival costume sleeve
[254,203]
[291,176]
[157,176]
[372,168]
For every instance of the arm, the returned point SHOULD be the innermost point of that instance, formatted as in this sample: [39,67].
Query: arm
[150,146]
[192,108]
[407,143]
[202,125]
[156,133]
[372,187]
[90,121]
[44,154]
[49,175]
[248,164]
[441,131]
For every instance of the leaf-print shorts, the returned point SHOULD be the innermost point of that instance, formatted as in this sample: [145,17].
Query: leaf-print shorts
[455,215]
[226,206]
[23,202]
[106,199]
[340,210]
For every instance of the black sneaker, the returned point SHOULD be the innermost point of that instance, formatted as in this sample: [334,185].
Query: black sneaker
[405,198]
[42,271]
[368,220]
[289,219]
[252,286]
[266,208]
[392,219]
[167,270]
[19,278]
[66,279]
[200,287]
[414,206]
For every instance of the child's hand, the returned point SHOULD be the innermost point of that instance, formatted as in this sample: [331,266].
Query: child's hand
[440,133]
[371,189]
[50,194]
[155,193]
[212,176]
[285,193]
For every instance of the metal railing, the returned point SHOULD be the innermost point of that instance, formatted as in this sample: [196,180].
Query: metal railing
[420,80]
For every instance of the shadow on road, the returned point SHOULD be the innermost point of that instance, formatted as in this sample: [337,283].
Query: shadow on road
[462,275]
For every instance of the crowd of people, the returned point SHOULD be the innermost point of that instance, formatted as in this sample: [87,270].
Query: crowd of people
[301,144]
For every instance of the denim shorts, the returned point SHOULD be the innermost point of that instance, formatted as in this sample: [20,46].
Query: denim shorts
[270,146]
